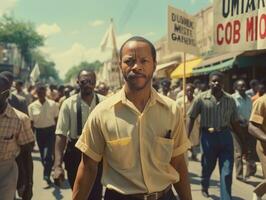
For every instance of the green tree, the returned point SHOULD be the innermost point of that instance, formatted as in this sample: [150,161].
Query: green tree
[23,34]
[73,72]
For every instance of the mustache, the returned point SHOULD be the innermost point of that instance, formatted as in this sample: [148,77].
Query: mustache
[132,75]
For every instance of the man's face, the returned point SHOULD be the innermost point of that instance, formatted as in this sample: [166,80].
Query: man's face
[87,82]
[216,83]
[190,92]
[41,92]
[241,87]
[137,64]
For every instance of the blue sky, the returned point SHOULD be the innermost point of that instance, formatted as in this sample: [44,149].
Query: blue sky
[75,28]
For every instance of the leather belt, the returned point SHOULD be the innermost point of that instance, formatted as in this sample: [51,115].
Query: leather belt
[212,130]
[151,196]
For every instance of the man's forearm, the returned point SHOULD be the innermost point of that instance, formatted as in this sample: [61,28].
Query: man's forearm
[85,179]
[60,144]
[182,187]
[190,124]
[256,131]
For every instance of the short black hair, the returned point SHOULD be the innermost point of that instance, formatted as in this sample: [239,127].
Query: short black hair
[40,85]
[139,39]
[253,83]
[216,73]
[8,75]
[4,80]
[90,71]
[19,82]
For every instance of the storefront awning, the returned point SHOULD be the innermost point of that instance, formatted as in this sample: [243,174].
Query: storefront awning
[220,66]
[178,72]
[165,65]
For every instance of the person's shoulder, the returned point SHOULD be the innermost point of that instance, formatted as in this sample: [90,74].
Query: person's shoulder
[20,115]
[71,99]
[107,102]
[261,100]
[101,97]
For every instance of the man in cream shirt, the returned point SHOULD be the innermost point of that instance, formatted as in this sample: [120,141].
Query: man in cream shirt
[139,134]
[43,114]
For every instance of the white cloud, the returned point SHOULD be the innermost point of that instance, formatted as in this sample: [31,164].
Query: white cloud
[7,6]
[96,23]
[48,30]
[77,52]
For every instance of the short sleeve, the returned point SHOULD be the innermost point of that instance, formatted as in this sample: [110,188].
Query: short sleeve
[181,141]
[195,108]
[63,122]
[30,112]
[258,112]
[91,142]
[26,135]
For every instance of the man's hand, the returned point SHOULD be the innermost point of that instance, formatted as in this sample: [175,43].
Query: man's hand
[59,175]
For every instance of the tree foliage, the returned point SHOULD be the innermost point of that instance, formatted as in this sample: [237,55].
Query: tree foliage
[23,34]
[73,72]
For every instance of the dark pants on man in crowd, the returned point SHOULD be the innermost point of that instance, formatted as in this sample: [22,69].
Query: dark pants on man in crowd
[72,159]
[218,145]
[245,146]
[113,195]
[45,138]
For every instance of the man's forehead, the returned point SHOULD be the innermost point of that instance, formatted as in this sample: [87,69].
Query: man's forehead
[85,74]
[136,48]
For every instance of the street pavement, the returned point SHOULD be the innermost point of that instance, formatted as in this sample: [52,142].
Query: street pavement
[240,190]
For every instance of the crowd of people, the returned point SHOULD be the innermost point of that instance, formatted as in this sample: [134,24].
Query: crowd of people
[114,139]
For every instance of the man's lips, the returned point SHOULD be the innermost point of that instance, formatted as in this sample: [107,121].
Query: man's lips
[132,75]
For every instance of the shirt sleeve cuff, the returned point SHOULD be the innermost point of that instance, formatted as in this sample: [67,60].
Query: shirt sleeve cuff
[257,119]
[181,149]
[87,151]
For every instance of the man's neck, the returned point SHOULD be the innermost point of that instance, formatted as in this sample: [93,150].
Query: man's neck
[3,108]
[138,97]
[87,98]
[217,94]
[42,101]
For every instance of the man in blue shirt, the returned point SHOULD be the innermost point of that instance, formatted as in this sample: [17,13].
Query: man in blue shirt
[244,142]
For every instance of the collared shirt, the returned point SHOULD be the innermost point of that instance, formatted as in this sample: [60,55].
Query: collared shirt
[194,136]
[136,147]
[214,113]
[258,114]
[43,115]
[67,119]
[15,131]
[244,106]
[250,93]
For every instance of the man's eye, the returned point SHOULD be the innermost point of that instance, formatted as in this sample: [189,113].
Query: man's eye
[129,62]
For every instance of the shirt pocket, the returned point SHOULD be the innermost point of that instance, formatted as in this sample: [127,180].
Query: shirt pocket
[120,153]
[164,149]
[8,143]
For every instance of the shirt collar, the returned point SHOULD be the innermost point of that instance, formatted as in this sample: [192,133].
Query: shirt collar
[155,97]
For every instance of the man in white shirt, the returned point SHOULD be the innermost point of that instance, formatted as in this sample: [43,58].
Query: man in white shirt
[43,114]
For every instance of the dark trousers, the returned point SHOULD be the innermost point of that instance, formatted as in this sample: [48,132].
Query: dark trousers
[45,138]
[218,145]
[112,195]
[245,145]
[72,159]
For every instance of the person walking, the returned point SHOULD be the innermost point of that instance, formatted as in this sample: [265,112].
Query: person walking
[194,136]
[244,143]
[138,133]
[15,136]
[43,113]
[257,128]
[72,117]
[218,112]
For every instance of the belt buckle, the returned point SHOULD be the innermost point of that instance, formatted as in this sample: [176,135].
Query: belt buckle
[210,130]
[152,196]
